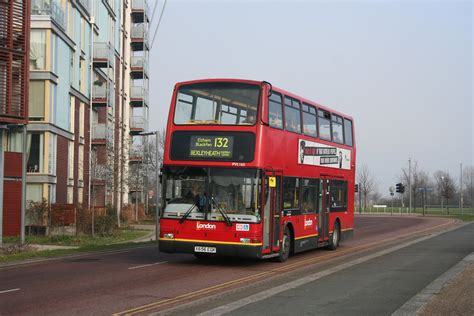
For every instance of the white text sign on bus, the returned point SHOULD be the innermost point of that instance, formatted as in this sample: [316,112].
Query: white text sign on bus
[316,154]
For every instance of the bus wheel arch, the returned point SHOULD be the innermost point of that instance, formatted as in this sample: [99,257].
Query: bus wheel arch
[336,235]
[292,237]
[286,245]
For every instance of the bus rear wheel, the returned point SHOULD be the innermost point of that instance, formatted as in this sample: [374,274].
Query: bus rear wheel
[285,247]
[336,237]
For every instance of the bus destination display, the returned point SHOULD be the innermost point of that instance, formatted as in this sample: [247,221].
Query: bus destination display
[210,146]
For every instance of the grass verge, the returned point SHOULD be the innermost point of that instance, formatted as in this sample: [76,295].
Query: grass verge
[121,240]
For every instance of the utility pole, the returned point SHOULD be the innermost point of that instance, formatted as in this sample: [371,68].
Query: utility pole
[360,199]
[460,191]
[409,185]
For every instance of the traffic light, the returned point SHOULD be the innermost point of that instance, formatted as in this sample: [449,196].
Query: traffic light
[356,188]
[400,188]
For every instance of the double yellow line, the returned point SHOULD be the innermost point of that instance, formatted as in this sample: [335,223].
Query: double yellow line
[277,271]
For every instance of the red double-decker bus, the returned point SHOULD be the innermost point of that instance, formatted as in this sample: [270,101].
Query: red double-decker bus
[251,170]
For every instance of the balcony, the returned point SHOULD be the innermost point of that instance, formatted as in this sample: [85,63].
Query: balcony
[138,96]
[103,95]
[103,55]
[139,37]
[135,155]
[51,8]
[140,11]
[99,133]
[138,67]
[138,124]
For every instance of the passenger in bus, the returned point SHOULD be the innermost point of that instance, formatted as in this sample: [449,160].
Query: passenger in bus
[250,119]
[336,137]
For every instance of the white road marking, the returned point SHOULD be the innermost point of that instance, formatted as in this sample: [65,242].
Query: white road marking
[147,265]
[8,291]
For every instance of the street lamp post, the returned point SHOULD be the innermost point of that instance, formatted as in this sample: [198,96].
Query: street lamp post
[157,170]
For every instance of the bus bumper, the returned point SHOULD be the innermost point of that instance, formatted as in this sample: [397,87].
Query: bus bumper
[233,250]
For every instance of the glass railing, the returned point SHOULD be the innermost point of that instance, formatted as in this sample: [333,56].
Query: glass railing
[102,51]
[138,122]
[51,8]
[139,92]
[98,130]
[140,5]
[139,31]
[139,62]
[99,91]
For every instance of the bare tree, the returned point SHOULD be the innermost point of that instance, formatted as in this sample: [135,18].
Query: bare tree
[468,180]
[445,185]
[420,179]
[366,183]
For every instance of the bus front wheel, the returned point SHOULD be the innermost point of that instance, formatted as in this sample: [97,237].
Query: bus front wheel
[285,246]
[336,237]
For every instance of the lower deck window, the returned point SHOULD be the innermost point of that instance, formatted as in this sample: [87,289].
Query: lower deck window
[338,195]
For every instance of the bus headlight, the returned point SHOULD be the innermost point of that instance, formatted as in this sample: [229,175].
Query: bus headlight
[245,240]
[168,236]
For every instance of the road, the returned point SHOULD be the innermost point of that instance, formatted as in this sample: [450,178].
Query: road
[145,281]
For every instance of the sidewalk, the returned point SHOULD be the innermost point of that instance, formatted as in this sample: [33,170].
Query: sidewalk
[455,298]
[149,237]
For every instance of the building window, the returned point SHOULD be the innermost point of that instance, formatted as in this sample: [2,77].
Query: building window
[71,114]
[35,158]
[14,141]
[34,192]
[71,160]
[37,49]
[81,120]
[70,195]
[36,101]
[52,150]
[80,164]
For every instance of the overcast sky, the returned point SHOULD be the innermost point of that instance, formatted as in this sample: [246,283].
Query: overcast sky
[402,69]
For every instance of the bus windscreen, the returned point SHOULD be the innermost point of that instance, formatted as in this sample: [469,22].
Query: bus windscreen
[220,103]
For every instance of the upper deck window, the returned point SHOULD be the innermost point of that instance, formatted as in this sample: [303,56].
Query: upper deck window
[337,134]
[292,115]
[221,103]
[275,111]
[348,132]
[309,120]
[324,120]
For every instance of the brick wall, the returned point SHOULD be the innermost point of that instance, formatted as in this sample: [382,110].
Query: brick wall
[61,170]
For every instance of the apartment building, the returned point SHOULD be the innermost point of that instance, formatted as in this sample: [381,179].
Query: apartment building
[82,100]
[14,43]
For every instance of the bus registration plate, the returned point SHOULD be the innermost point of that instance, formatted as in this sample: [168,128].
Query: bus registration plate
[205,249]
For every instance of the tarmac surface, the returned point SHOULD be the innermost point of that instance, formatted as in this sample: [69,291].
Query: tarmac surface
[143,281]
[380,285]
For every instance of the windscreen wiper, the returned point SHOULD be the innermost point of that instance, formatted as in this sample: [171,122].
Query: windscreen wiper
[222,211]
[187,213]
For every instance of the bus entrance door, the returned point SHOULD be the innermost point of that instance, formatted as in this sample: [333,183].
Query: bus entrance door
[271,213]
[324,204]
